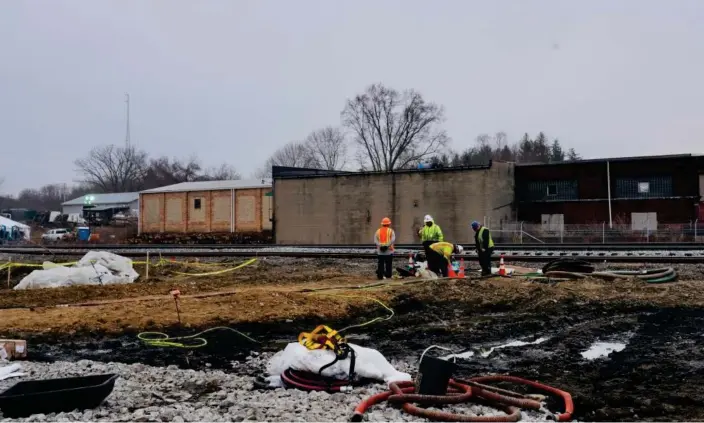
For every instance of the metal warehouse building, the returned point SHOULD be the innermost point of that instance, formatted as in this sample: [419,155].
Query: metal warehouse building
[212,206]
[101,202]
[642,191]
[346,208]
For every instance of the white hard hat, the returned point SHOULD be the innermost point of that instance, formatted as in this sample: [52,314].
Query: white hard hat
[428,218]
[460,249]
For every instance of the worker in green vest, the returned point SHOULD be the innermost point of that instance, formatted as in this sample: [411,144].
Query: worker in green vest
[485,246]
[430,233]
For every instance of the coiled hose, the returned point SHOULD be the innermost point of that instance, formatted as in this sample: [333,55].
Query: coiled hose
[460,391]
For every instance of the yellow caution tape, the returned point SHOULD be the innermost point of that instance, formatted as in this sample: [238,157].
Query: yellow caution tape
[218,272]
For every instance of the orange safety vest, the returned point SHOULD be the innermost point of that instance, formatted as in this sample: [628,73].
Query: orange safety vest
[385,235]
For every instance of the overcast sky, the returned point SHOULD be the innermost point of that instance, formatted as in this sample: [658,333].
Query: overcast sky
[233,80]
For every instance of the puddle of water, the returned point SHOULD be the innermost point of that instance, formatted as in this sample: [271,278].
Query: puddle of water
[602,349]
[483,352]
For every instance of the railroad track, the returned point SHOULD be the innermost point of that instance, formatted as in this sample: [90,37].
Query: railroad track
[516,247]
[358,252]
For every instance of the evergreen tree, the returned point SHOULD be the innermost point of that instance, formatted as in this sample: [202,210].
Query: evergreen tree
[572,155]
[556,152]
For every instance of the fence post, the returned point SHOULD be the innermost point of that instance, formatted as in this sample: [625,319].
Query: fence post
[520,229]
[147,272]
[603,232]
[9,272]
[696,223]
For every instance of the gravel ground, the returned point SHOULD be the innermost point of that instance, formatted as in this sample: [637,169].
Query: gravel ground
[144,393]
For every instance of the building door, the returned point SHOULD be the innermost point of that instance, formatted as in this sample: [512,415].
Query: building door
[644,221]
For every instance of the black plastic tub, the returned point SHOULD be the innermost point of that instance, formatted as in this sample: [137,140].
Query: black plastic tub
[56,395]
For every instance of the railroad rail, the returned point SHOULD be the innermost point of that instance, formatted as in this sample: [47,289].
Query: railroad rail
[532,247]
[355,252]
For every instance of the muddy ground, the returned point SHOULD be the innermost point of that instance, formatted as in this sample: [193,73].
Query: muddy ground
[659,375]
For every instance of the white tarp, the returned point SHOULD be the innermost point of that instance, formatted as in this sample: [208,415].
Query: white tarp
[95,268]
[9,223]
[369,363]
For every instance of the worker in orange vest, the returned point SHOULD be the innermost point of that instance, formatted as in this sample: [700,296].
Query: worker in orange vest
[384,239]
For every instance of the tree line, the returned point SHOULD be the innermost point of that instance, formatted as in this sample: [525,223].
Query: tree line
[380,129]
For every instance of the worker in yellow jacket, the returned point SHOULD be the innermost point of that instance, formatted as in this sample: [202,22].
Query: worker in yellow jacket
[429,233]
[384,239]
[440,256]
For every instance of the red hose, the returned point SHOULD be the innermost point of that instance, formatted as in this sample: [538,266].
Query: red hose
[403,392]
[567,398]
[312,382]
[460,392]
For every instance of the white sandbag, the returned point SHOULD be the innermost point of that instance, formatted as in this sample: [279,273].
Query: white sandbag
[95,268]
[369,363]
[13,370]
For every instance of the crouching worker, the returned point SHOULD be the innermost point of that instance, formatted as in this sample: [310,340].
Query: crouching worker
[384,239]
[440,256]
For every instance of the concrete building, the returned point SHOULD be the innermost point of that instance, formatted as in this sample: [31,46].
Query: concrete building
[640,191]
[346,208]
[101,202]
[207,207]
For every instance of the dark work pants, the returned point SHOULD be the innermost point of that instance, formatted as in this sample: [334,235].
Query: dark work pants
[437,263]
[426,247]
[485,260]
[383,267]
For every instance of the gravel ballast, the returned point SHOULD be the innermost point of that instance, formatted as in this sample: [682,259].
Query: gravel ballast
[144,393]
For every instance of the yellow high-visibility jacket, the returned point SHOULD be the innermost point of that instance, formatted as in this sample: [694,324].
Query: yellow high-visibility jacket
[431,233]
[444,248]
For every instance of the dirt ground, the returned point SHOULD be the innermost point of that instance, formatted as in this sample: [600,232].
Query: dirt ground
[659,374]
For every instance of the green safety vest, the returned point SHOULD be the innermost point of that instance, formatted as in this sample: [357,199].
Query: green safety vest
[480,238]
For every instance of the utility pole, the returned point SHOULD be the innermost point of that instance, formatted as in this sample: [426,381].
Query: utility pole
[127,132]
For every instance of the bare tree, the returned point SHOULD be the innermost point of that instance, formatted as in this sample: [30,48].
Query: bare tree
[113,169]
[293,154]
[328,148]
[392,129]
[164,171]
[225,172]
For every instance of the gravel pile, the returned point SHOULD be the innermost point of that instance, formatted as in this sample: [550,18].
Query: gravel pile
[168,394]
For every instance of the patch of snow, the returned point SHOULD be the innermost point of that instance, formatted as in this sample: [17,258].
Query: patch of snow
[602,349]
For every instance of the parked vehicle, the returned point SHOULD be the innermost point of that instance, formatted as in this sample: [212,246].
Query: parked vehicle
[56,235]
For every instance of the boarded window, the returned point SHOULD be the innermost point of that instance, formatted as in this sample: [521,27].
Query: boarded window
[196,203]
[644,221]
[646,187]
[552,222]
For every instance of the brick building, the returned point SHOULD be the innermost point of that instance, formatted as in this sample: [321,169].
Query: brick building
[640,191]
[315,207]
[207,207]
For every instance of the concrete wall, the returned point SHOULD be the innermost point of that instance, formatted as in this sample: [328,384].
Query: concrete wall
[347,209]
[205,211]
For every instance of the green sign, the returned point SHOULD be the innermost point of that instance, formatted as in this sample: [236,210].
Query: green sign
[269,194]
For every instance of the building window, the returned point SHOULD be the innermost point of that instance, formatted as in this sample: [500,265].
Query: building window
[196,203]
[549,191]
[644,187]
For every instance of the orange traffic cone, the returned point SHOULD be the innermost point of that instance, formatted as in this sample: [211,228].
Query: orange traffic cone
[502,267]
[461,273]
[411,262]
[450,271]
